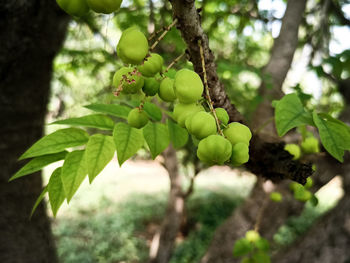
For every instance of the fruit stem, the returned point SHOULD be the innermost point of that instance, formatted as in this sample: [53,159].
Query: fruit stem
[174,62]
[207,93]
[259,129]
[166,30]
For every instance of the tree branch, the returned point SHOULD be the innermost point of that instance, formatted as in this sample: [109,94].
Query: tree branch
[267,159]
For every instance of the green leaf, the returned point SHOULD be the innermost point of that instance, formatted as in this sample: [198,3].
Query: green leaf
[153,111]
[94,121]
[127,141]
[56,191]
[335,136]
[261,257]
[111,109]
[157,138]
[38,201]
[263,244]
[290,113]
[38,163]
[99,151]
[242,247]
[178,135]
[57,142]
[73,172]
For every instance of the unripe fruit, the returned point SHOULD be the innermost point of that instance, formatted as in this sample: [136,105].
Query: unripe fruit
[214,149]
[152,65]
[166,90]
[137,118]
[151,86]
[222,115]
[132,47]
[293,149]
[302,194]
[74,7]
[131,81]
[104,6]
[310,145]
[202,124]
[309,183]
[188,86]
[183,111]
[252,236]
[237,132]
[240,153]
[276,197]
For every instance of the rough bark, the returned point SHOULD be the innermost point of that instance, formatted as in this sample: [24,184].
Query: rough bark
[31,33]
[245,216]
[189,23]
[164,241]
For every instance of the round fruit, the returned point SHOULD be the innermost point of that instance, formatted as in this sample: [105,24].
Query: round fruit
[202,124]
[294,150]
[137,118]
[252,236]
[151,86]
[240,153]
[130,80]
[188,86]
[183,111]
[74,7]
[214,149]
[237,132]
[276,197]
[152,65]
[132,47]
[222,115]
[166,90]
[310,145]
[104,6]
[302,194]
[309,183]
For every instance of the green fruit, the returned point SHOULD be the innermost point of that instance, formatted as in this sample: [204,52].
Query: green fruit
[276,197]
[132,47]
[202,124]
[240,153]
[252,236]
[214,149]
[137,118]
[302,195]
[152,65]
[151,86]
[130,80]
[104,6]
[309,183]
[293,149]
[166,90]
[183,111]
[294,186]
[74,7]
[237,132]
[188,86]
[310,145]
[222,115]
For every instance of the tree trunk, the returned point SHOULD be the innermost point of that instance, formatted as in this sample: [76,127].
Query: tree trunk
[164,241]
[31,33]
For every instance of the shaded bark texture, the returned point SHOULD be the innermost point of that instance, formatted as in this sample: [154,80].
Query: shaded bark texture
[164,241]
[31,33]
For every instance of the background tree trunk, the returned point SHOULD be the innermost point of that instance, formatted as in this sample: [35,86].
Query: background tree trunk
[31,33]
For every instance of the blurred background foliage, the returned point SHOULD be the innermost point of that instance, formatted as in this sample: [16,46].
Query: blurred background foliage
[241,33]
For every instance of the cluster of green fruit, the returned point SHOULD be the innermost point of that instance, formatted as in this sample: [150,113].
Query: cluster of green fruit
[80,8]
[144,74]
[302,193]
[253,248]
[309,145]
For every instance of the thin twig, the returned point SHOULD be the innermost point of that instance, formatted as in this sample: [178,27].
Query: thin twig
[209,101]
[154,34]
[163,34]
[261,213]
[262,126]
[174,62]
